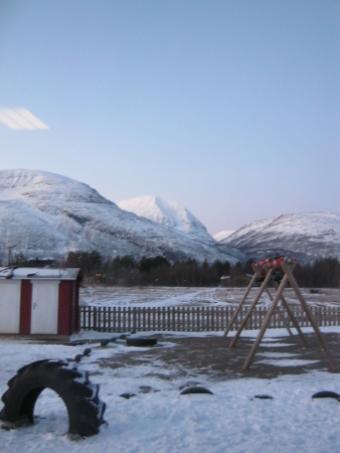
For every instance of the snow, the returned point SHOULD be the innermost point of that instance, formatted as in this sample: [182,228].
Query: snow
[151,296]
[277,345]
[159,419]
[168,213]
[221,235]
[38,273]
[288,362]
[307,236]
[44,215]
[182,296]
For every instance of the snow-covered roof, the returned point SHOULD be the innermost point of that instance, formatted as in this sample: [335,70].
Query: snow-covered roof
[19,273]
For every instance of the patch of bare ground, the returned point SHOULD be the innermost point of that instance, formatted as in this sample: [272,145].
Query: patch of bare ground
[210,355]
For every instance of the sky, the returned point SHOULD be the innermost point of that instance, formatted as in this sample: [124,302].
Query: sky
[231,108]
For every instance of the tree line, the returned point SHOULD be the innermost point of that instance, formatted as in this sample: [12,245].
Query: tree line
[158,271]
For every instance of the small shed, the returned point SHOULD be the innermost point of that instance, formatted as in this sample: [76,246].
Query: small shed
[39,301]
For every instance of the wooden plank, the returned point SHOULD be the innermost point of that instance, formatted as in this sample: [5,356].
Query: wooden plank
[109,319]
[257,298]
[265,323]
[294,321]
[119,313]
[157,325]
[164,318]
[240,305]
[306,309]
[94,312]
[280,315]
[104,325]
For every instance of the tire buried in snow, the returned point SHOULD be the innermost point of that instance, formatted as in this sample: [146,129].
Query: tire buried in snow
[85,410]
[326,394]
[195,389]
[140,341]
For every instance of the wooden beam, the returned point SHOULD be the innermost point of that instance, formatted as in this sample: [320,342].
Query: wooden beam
[248,314]
[294,321]
[309,315]
[238,309]
[283,319]
[265,323]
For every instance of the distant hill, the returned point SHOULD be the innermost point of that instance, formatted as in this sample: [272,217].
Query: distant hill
[306,236]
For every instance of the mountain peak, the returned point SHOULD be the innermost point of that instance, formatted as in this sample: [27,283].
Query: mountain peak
[167,213]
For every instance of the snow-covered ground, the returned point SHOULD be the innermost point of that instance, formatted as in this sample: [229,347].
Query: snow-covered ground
[159,419]
[174,296]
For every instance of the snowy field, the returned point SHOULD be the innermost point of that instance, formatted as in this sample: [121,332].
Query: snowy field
[174,296]
[159,419]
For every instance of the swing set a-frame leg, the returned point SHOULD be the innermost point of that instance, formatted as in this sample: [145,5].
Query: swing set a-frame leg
[249,312]
[294,321]
[310,317]
[281,316]
[238,309]
[265,323]
[292,318]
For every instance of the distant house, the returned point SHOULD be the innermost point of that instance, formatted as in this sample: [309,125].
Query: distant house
[39,301]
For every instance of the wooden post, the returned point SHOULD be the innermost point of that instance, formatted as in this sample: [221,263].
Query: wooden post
[309,315]
[236,312]
[265,323]
[257,298]
[282,318]
[294,321]
[94,318]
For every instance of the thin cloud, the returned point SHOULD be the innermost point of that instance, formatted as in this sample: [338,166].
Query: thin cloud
[21,119]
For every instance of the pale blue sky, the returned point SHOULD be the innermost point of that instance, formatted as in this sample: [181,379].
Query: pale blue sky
[232,108]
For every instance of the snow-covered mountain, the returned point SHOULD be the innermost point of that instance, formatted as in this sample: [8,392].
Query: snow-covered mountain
[305,236]
[167,213]
[44,215]
[221,235]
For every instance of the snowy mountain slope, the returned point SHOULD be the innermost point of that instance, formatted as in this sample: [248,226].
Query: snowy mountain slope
[44,215]
[306,236]
[167,213]
[221,235]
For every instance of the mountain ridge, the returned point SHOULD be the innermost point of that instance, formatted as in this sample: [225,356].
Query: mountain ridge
[307,236]
[46,215]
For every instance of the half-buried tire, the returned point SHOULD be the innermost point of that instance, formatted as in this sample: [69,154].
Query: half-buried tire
[196,389]
[80,397]
[327,394]
[140,341]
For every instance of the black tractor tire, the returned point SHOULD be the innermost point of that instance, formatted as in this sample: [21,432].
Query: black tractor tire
[85,410]
[327,394]
[195,389]
[141,342]
[263,396]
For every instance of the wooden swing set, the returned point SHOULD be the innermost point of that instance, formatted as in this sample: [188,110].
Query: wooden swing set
[280,272]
